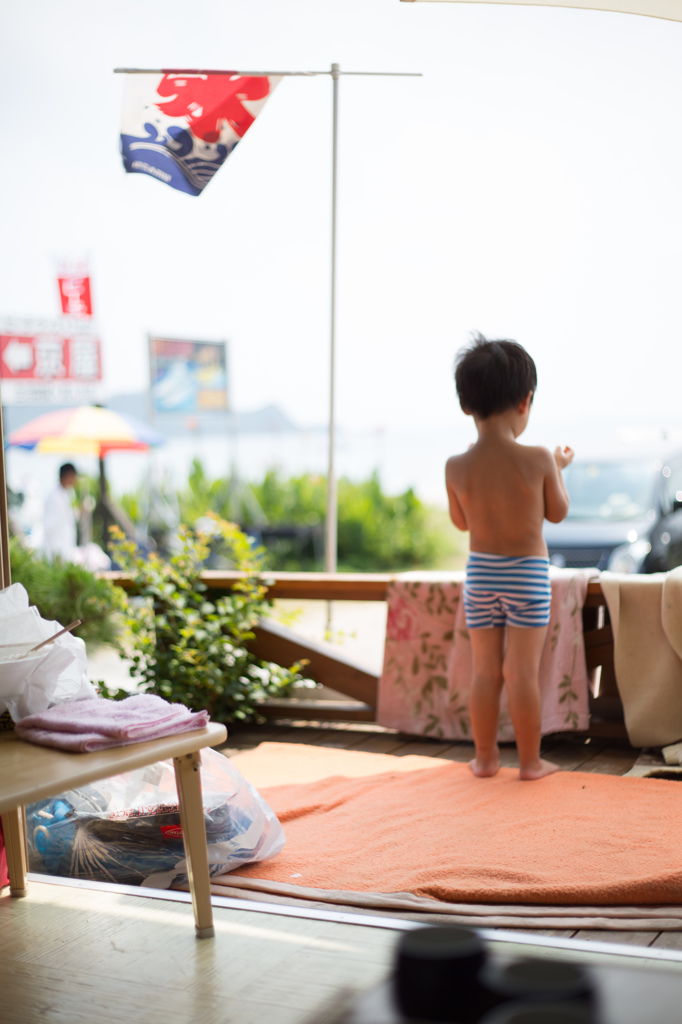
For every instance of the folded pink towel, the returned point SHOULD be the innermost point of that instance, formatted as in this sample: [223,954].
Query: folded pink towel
[97,724]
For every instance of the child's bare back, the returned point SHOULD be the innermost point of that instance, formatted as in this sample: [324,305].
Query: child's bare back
[501,491]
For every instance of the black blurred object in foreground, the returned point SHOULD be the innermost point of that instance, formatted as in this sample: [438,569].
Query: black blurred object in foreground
[625,990]
[536,981]
[539,1013]
[436,973]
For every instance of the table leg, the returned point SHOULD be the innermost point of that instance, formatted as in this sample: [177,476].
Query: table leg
[14,834]
[188,780]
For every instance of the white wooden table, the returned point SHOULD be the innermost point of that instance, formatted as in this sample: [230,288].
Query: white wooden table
[29,772]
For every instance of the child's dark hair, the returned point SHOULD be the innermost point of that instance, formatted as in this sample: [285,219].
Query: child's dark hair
[493,376]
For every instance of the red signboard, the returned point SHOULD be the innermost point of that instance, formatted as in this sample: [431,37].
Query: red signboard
[74,293]
[39,365]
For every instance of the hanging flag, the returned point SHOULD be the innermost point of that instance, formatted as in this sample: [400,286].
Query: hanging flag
[181,128]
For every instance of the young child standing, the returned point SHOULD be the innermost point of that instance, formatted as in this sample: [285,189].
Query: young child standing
[501,491]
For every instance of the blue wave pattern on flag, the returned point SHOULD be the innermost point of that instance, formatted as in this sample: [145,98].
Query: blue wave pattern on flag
[170,158]
[180,129]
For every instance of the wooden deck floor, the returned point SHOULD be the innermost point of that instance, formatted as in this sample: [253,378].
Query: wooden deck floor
[77,956]
[73,955]
[609,757]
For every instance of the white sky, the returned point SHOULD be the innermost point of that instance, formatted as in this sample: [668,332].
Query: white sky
[528,186]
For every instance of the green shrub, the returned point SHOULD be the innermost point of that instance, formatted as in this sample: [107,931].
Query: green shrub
[64,592]
[203,495]
[376,532]
[188,648]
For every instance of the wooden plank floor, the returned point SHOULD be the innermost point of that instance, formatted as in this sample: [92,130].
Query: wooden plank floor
[609,757]
[73,956]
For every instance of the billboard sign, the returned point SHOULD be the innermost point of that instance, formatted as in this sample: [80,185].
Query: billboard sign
[49,362]
[188,376]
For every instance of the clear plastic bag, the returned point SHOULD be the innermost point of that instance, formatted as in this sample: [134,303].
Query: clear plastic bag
[126,829]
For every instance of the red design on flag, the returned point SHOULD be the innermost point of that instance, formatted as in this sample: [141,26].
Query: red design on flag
[209,100]
[74,292]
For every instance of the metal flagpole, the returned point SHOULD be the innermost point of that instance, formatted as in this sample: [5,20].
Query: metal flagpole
[331,526]
[331,523]
[331,530]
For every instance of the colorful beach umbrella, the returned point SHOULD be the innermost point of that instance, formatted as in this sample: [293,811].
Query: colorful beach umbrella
[85,430]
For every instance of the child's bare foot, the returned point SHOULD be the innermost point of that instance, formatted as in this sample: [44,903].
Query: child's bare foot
[483,767]
[538,770]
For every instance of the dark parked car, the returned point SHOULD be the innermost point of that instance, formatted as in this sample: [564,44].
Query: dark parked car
[625,515]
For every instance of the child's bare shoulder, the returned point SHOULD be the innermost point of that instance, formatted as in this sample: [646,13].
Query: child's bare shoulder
[455,465]
[539,456]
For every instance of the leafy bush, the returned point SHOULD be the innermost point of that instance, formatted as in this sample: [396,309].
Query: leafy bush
[188,648]
[376,532]
[203,495]
[64,591]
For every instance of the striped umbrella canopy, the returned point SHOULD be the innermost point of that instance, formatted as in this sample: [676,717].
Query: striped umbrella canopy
[86,430]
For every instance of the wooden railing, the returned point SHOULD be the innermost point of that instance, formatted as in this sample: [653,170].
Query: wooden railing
[326,665]
[309,586]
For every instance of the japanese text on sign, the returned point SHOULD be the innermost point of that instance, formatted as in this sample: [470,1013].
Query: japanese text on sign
[48,363]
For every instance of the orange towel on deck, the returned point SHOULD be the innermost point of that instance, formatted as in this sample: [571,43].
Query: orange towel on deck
[573,838]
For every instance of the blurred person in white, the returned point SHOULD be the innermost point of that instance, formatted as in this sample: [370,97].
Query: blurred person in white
[60,536]
[59,519]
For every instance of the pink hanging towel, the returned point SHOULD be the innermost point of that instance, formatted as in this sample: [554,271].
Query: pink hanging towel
[425,683]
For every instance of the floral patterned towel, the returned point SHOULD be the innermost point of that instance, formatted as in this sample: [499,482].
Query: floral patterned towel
[424,686]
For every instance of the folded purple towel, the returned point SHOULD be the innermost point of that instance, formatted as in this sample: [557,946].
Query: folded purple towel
[97,723]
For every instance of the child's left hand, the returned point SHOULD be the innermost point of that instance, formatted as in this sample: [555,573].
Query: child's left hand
[563,456]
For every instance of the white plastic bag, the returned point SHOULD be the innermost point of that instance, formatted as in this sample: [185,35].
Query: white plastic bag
[127,829]
[33,682]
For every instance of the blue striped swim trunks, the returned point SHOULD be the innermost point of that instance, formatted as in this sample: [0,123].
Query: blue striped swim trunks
[501,591]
